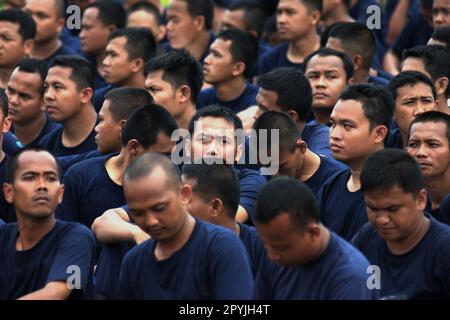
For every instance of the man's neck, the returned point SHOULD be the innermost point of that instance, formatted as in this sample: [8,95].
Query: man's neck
[5,73]
[79,127]
[185,117]
[166,248]
[137,80]
[31,231]
[27,132]
[406,244]
[310,166]
[198,47]
[322,115]
[43,50]
[438,188]
[322,244]
[360,76]
[116,166]
[231,89]
[299,49]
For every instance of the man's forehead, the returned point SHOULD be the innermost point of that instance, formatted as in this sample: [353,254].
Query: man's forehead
[37,160]
[213,125]
[429,129]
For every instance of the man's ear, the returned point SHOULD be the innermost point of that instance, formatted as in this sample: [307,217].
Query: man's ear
[421,200]
[238,68]
[200,23]
[60,194]
[441,85]
[137,65]
[300,145]
[185,194]
[358,61]
[216,207]
[133,147]
[86,95]
[183,94]
[8,192]
[294,115]
[6,124]
[28,46]
[380,133]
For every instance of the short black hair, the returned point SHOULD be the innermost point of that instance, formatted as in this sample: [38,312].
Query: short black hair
[4,102]
[244,48]
[203,8]
[436,117]
[293,89]
[442,35]
[215,111]
[13,162]
[326,33]
[287,195]
[254,15]
[356,39]
[82,71]
[436,60]
[145,123]
[410,78]
[109,13]
[289,132]
[179,68]
[377,102]
[215,181]
[388,168]
[124,100]
[27,26]
[147,7]
[347,62]
[313,4]
[30,65]
[140,42]
[143,166]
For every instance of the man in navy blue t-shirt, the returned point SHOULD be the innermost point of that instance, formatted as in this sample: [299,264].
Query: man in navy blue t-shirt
[229,67]
[304,259]
[68,92]
[360,122]
[215,199]
[41,257]
[5,123]
[428,143]
[410,249]
[185,258]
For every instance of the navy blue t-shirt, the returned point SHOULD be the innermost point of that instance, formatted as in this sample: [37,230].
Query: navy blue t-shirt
[213,264]
[379,80]
[251,183]
[275,57]
[70,40]
[317,137]
[445,210]
[328,167]
[394,140]
[338,274]
[1,222]
[89,191]
[100,82]
[53,143]
[67,244]
[254,245]
[208,97]
[66,162]
[6,209]
[62,51]
[421,273]
[11,144]
[99,96]
[342,211]
[48,128]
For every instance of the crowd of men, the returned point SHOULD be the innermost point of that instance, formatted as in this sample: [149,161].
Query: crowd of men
[134,150]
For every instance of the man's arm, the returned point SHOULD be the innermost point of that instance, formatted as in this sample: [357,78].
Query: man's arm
[114,226]
[56,290]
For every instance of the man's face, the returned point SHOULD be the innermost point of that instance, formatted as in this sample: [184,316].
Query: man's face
[156,207]
[144,19]
[428,144]
[350,137]
[117,67]
[198,207]
[219,65]
[215,138]
[267,101]
[36,190]
[163,93]
[163,145]
[291,160]
[24,95]
[412,101]
[61,98]
[328,79]
[293,20]
[94,34]
[441,13]
[394,214]
[48,25]
[284,244]
[182,28]
[233,20]
[12,48]
[108,130]
[414,64]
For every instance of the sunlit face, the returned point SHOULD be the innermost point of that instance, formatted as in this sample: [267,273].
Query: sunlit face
[233,19]
[163,93]
[441,13]
[182,28]
[219,65]
[351,139]
[291,160]
[294,21]
[412,101]
[328,79]
[12,48]
[62,98]
[198,206]
[108,130]
[285,244]
[118,69]
[394,214]
[267,101]
[48,24]
[215,138]
[428,144]
[94,34]
[414,64]
[24,95]
[36,190]
[158,208]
